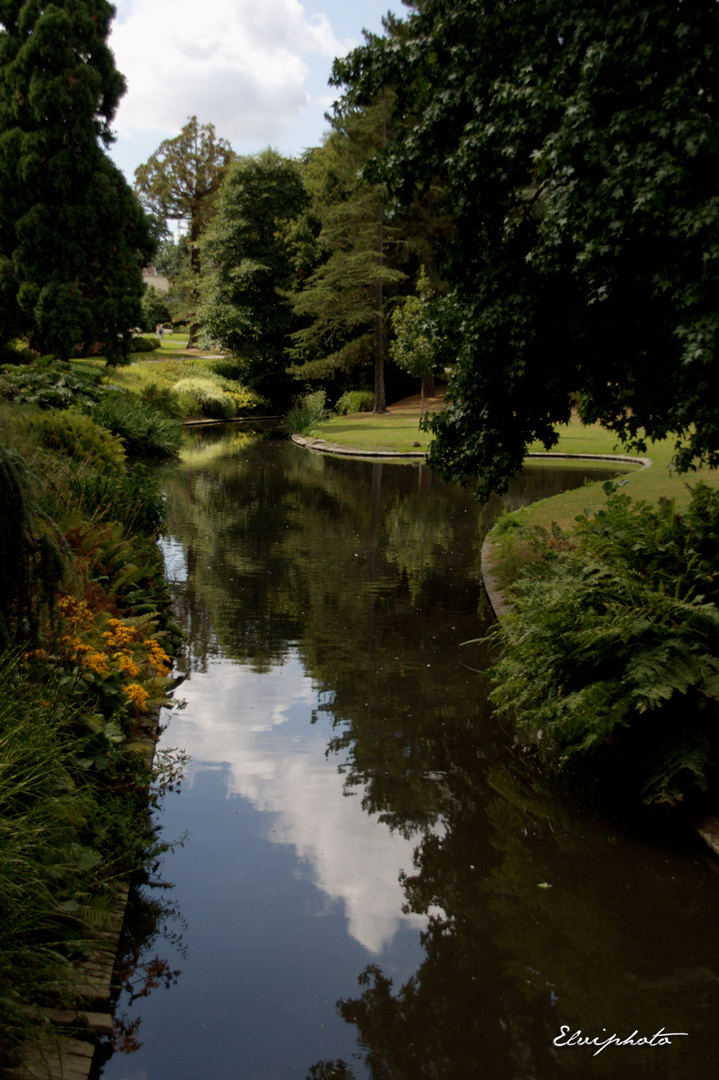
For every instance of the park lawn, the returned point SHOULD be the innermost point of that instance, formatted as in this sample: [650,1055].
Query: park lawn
[366,431]
[511,550]
[512,547]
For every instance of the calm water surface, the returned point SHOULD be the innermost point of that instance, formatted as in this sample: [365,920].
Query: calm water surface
[374,884]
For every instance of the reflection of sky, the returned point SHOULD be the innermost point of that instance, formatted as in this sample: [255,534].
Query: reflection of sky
[254,731]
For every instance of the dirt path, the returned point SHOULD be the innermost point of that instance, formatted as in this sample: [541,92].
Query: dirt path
[412,404]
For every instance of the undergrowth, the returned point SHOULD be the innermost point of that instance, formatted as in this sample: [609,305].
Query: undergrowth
[611,652]
[86,639]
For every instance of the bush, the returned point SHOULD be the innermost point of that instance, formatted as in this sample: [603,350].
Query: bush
[49,384]
[208,398]
[163,399]
[229,368]
[145,432]
[612,649]
[355,401]
[143,344]
[306,413]
[131,498]
[79,437]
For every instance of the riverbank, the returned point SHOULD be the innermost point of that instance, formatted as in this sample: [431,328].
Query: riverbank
[397,434]
[86,633]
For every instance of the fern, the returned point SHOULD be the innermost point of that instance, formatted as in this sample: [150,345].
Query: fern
[617,630]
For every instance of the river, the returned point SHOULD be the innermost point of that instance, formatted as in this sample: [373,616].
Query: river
[374,882]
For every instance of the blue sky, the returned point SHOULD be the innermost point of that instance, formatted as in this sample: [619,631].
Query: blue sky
[256,69]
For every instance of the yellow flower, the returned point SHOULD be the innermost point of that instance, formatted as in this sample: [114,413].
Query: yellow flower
[35,654]
[127,665]
[96,661]
[119,635]
[158,657]
[137,695]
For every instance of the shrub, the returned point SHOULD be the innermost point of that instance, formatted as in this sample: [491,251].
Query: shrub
[306,413]
[143,344]
[229,368]
[163,399]
[48,384]
[145,432]
[208,397]
[355,401]
[612,649]
[131,498]
[80,438]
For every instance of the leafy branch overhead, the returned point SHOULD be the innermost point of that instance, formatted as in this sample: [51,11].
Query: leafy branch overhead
[578,146]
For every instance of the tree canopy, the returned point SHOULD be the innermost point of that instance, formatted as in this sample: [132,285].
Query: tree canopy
[180,182]
[72,235]
[579,143]
[248,268]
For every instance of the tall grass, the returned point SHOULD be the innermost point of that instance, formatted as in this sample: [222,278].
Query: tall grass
[44,869]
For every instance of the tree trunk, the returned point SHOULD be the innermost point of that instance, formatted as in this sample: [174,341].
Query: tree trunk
[380,404]
[195,269]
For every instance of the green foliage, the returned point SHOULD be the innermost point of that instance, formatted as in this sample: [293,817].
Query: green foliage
[162,399]
[180,182]
[143,344]
[577,144]
[72,235]
[355,401]
[77,436]
[245,306]
[48,384]
[43,867]
[346,255]
[145,433]
[208,398]
[130,497]
[155,309]
[30,561]
[306,413]
[614,643]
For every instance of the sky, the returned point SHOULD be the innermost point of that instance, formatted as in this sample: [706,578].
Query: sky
[256,69]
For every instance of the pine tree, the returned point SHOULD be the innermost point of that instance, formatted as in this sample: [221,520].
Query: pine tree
[343,298]
[73,237]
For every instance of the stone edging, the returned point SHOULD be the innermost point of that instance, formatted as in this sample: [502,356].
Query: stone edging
[321,446]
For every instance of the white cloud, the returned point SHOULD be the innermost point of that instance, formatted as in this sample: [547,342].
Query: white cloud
[239,64]
[244,726]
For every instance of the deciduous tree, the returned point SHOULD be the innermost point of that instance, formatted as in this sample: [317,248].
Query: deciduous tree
[579,143]
[180,182]
[245,304]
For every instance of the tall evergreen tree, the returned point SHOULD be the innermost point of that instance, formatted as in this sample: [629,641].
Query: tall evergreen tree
[343,298]
[72,236]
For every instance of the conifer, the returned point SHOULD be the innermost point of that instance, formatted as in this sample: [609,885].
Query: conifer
[72,236]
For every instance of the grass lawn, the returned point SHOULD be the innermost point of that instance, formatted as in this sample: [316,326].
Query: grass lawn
[366,431]
[400,431]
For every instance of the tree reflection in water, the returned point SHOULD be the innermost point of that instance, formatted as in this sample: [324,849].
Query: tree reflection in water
[541,913]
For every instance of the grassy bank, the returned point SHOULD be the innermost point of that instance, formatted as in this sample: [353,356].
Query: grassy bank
[399,431]
[181,385]
[86,634]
